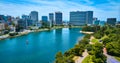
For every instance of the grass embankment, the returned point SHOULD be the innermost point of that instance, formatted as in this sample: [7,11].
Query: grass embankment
[95,40]
[105,36]
[88,59]
[118,58]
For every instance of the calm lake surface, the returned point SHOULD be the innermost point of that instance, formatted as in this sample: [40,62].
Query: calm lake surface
[38,47]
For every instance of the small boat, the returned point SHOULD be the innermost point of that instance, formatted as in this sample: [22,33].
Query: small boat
[27,42]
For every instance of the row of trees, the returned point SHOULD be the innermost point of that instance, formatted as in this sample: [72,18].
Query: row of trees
[111,38]
[91,28]
[96,50]
[78,49]
[96,53]
[111,41]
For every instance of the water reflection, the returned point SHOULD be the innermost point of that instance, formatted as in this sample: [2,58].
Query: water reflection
[42,45]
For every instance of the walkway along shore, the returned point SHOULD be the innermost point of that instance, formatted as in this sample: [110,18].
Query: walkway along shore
[79,59]
[86,32]
[21,33]
[37,30]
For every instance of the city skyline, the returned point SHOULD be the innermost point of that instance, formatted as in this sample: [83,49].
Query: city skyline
[102,9]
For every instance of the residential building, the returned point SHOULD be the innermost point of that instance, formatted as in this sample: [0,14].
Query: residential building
[102,23]
[2,26]
[96,22]
[22,23]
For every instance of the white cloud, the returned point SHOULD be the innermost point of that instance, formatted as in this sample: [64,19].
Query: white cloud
[88,2]
[45,7]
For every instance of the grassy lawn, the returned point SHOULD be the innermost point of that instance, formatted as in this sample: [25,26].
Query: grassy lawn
[87,59]
[104,37]
[95,40]
[118,58]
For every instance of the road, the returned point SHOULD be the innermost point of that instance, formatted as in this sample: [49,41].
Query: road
[110,59]
[80,59]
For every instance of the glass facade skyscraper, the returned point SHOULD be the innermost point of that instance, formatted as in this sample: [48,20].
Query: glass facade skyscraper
[81,17]
[34,17]
[51,18]
[44,18]
[96,22]
[77,18]
[26,18]
[58,18]
[89,17]
[111,21]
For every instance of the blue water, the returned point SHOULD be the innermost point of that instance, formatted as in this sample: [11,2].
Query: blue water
[41,47]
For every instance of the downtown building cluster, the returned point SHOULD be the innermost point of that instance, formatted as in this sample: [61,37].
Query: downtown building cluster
[76,18]
[30,20]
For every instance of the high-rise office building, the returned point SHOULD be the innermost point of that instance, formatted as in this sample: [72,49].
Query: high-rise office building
[51,18]
[81,17]
[26,18]
[58,18]
[78,18]
[34,17]
[89,17]
[44,18]
[22,23]
[111,21]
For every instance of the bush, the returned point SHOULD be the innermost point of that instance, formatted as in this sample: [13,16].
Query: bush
[87,36]
[89,47]
[13,34]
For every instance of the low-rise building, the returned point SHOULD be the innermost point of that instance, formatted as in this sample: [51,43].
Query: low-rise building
[2,26]
[96,22]
[111,21]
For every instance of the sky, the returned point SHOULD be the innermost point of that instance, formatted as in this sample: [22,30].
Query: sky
[102,9]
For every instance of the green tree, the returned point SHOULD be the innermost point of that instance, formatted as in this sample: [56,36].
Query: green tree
[59,58]
[106,40]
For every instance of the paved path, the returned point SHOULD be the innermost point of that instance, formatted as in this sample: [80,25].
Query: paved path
[92,37]
[110,59]
[80,59]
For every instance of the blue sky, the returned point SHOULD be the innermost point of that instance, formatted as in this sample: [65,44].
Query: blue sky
[102,8]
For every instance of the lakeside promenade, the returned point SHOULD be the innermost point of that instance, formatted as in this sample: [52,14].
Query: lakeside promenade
[2,37]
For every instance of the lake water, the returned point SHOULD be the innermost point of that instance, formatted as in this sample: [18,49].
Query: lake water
[38,47]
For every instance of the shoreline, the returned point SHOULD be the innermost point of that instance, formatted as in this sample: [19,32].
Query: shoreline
[6,36]
[21,33]
[85,32]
